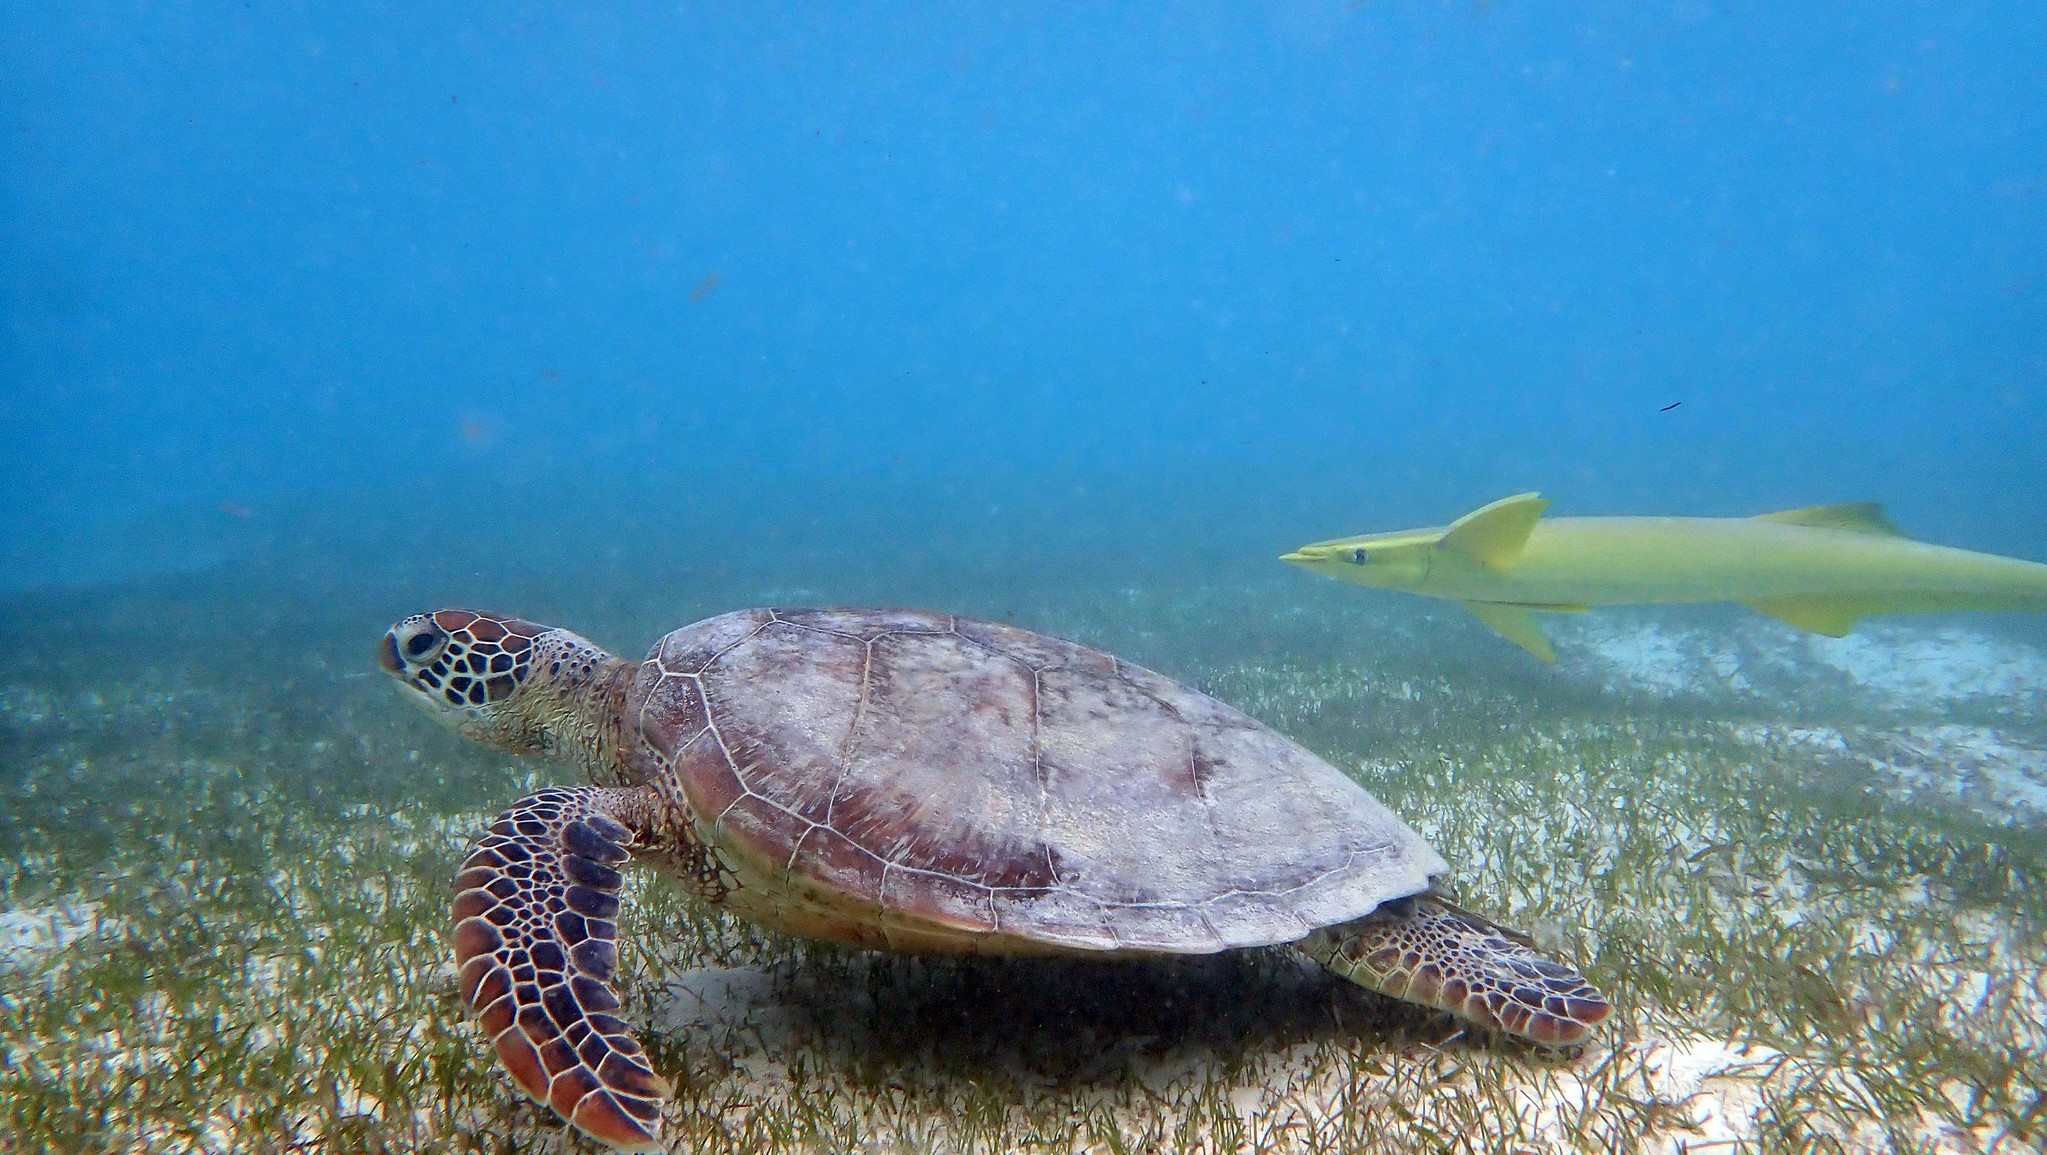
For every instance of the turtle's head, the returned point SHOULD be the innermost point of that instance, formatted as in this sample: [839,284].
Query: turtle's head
[1387,561]
[506,682]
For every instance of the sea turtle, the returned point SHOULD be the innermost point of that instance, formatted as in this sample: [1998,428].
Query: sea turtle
[914,782]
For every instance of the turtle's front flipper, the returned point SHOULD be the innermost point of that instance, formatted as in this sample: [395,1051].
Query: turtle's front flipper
[535,932]
[1427,951]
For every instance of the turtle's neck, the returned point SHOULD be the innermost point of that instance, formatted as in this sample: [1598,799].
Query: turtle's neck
[592,734]
[580,704]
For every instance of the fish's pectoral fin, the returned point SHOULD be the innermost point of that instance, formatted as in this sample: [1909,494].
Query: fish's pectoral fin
[1494,535]
[1857,517]
[1834,617]
[1514,623]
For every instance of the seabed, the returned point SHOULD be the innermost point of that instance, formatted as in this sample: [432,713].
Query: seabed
[1808,872]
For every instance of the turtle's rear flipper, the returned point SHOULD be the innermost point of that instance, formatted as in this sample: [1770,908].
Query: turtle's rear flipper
[1428,951]
[535,932]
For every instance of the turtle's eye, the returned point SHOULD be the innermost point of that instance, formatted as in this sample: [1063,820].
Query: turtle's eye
[421,644]
[1361,557]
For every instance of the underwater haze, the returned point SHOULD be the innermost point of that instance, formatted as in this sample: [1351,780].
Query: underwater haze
[1224,278]
[1075,317]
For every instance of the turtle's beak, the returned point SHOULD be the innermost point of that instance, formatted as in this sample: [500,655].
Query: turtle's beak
[387,655]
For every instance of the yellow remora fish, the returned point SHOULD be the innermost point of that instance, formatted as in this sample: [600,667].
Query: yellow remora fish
[1818,569]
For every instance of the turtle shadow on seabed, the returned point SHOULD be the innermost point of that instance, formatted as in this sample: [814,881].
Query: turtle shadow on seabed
[1027,1023]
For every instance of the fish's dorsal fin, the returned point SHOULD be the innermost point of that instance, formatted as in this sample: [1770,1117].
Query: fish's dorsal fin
[1833,617]
[1856,517]
[1494,535]
[1515,624]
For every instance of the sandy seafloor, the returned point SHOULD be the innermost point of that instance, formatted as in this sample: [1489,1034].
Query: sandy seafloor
[1808,870]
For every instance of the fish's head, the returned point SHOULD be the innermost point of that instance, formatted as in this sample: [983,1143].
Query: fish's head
[1387,561]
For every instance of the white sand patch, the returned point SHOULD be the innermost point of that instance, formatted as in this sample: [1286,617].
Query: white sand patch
[1940,665]
[1894,664]
[28,935]
[727,1000]
[1972,764]
[1626,653]
[1651,659]
[1718,1094]
[26,705]
[1987,770]
[1717,1086]
[1825,739]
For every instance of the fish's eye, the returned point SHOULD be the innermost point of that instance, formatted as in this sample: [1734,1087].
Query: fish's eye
[1361,557]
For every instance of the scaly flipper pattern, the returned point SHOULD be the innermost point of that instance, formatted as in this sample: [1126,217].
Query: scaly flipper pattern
[1427,951]
[536,906]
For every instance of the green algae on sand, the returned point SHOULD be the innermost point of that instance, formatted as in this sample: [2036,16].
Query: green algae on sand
[1804,955]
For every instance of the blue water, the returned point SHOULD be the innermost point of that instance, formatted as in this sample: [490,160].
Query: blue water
[618,316]
[359,286]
